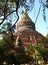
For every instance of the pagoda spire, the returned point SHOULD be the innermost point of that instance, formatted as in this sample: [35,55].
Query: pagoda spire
[25,11]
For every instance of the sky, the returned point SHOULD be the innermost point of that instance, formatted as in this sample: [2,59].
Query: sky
[41,25]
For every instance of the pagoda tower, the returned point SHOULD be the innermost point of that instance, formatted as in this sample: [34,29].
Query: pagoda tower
[26,31]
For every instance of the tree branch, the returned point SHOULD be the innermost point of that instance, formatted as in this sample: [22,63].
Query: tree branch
[17,18]
[6,17]
[38,14]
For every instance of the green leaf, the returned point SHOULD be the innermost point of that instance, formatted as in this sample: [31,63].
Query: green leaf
[46,0]
[46,5]
[12,1]
[44,17]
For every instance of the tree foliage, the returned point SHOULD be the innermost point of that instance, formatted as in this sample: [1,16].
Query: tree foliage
[38,53]
[8,7]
